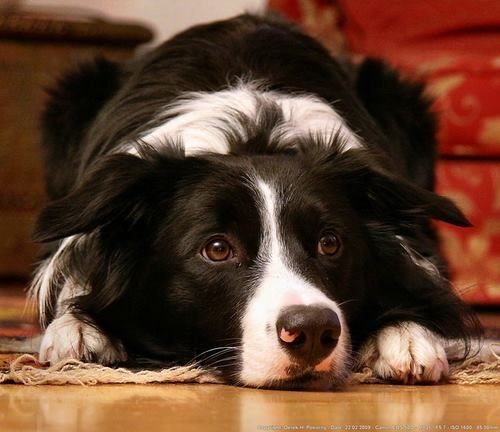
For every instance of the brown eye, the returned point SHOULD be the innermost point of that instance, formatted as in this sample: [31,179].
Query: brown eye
[217,250]
[328,244]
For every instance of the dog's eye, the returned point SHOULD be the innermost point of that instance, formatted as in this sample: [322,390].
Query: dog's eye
[329,244]
[217,250]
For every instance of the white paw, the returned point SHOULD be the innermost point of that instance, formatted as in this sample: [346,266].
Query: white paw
[406,353]
[69,338]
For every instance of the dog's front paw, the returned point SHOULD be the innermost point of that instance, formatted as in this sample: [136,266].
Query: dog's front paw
[406,353]
[67,337]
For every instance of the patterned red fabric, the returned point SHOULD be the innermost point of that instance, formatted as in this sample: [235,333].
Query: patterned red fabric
[473,253]
[466,89]
[385,27]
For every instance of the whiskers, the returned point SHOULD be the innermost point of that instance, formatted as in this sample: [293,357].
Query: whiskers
[218,358]
[347,302]
[464,289]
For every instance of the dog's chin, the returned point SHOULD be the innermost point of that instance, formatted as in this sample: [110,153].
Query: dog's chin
[297,377]
[307,380]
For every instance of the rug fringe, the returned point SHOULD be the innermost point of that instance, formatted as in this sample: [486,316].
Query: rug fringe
[28,371]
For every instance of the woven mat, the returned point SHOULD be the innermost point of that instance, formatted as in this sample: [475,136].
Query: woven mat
[18,362]
[25,369]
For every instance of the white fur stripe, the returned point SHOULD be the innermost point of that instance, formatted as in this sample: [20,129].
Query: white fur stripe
[280,286]
[40,289]
[50,276]
[270,246]
[198,120]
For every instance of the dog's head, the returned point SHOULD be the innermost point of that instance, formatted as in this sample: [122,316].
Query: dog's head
[258,266]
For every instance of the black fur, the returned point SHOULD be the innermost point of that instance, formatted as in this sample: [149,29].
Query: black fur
[145,219]
[65,122]
[403,113]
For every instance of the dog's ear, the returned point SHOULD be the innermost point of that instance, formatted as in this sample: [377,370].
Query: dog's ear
[122,190]
[403,112]
[382,195]
[389,196]
[73,103]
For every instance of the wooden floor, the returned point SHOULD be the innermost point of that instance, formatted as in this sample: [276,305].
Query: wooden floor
[205,407]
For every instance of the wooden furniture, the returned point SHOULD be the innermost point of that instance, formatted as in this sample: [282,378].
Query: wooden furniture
[34,49]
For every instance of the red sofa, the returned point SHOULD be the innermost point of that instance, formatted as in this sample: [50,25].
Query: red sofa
[454,45]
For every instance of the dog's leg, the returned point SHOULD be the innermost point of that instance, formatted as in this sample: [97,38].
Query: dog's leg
[407,353]
[70,336]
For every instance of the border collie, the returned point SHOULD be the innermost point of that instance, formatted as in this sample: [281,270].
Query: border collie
[240,200]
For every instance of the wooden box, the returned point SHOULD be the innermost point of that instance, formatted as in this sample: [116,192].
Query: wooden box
[34,50]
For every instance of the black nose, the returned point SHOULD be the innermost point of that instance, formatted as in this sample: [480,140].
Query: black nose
[308,333]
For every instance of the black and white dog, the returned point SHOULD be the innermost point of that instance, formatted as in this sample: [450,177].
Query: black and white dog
[240,200]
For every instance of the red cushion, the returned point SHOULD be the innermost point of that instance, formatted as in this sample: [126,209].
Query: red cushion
[379,27]
[466,89]
[473,253]
[455,46]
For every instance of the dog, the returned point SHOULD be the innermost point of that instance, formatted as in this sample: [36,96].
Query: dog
[240,200]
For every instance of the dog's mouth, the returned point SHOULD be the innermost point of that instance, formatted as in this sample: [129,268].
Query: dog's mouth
[302,377]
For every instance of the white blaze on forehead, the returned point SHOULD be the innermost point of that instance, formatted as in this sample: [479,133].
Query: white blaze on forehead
[198,120]
[270,244]
[280,286]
